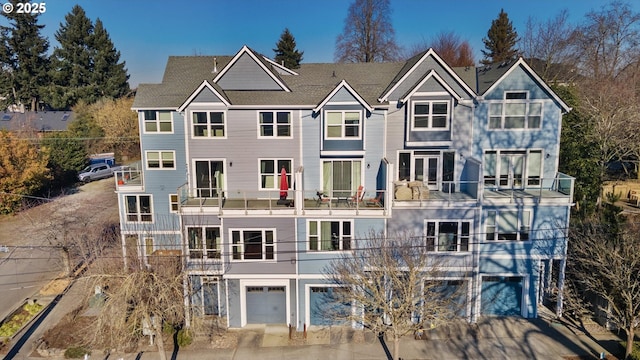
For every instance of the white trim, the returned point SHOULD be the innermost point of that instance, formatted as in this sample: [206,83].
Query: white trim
[439,60]
[205,84]
[431,115]
[362,170]
[276,184]
[343,84]
[210,279]
[171,202]
[146,160]
[246,50]
[470,236]
[138,213]
[535,76]
[263,245]
[194,175]
[244,283]
[430,74]
[343,125]
[308,249]
[275,124]
[353,153]
[204,249]
[279,66]
[524,298]
[157,122]
[523,256]
[208,124]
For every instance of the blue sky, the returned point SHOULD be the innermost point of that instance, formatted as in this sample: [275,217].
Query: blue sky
[148,31]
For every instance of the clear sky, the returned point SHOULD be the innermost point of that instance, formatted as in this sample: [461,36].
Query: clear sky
[146,32]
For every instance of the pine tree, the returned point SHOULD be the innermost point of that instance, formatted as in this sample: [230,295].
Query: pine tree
[24,59]
[286,51]
[86,65]
[500,41]
[71,63]
[109,75]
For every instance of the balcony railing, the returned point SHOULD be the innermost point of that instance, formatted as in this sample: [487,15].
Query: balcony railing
[269,200]
[417,192]
[129,175]
[558,187]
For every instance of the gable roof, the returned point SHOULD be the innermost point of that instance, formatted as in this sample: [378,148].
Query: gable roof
[431,74]
[505,69]
[343,85]
[259,60]
[211,87]
[412,65]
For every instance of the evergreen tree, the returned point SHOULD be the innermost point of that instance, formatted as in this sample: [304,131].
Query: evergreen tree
[23,59]
[500,41]
[109,74]
[86,65]
[71,63]
[286,51]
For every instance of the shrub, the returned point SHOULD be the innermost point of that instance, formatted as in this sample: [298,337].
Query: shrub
[635,352]
[185,337]
[76,352]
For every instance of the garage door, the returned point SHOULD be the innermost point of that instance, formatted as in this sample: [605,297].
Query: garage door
[501,295]
[266,305]
[325,309]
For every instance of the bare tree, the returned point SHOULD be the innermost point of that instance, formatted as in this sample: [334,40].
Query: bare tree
[548,43]
[393,287]
[450,47]
[607,264]
[368,35]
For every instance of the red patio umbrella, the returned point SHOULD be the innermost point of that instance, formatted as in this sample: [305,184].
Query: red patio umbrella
[284,184]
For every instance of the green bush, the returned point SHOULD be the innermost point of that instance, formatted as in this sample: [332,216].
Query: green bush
[76,352]
[185,337]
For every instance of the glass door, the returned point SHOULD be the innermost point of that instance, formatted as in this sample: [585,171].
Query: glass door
[209,178]
[512,170]
[426,170]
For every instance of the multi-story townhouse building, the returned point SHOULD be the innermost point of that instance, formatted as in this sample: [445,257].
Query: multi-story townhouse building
[466,158]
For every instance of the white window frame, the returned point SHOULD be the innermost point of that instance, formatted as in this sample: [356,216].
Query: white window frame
[276,174]
[492,227]
[138,214]
[527,102]
[209,125]
[341,237]
[343,125]
[430,115]
[217,251]
[240,245]
[156,121]
[275,125]
[437,247]
[529,180]
[160,161]
[211,280]
[174,203]
[354,184]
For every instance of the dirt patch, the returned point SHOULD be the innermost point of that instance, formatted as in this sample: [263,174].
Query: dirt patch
[55,287]
[70,331]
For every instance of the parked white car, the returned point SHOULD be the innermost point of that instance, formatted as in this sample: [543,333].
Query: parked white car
[96,172]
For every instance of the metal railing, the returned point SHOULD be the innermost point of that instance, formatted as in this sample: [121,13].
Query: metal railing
[129,175]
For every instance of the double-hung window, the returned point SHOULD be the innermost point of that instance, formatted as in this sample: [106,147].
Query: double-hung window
[161,160]
[274,123]
[204,242]
[430,115]
[270,170]
[330,235]
[157,121]
[249,244]
[343,125]
[139,208]
[447,235]
[517,111]
[208,124]
[508,225]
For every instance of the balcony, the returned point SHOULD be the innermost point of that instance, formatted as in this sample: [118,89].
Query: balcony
[544,190]
[416,193]
[129,177]
[297,202]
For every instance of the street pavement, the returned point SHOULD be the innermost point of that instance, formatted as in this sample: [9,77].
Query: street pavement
[492,338]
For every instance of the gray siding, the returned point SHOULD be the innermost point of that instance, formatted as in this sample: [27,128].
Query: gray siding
[206,96]
[246,74]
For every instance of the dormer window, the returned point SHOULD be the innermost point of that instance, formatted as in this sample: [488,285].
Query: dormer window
[430,115]
[515,112]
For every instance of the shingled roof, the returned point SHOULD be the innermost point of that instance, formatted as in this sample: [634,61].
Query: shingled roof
[40,121]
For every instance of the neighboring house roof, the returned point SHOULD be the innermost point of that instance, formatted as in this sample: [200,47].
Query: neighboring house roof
[36,121]
[554,72]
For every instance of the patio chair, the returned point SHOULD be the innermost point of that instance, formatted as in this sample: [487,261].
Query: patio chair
[322,199]
[377,201]
[358,197]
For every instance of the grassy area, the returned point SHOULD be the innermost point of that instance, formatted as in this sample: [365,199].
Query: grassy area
[19,319]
